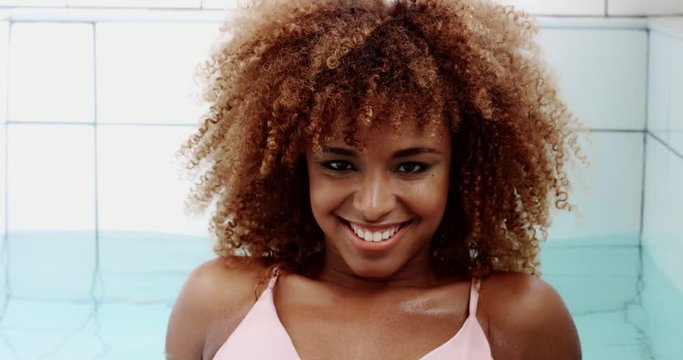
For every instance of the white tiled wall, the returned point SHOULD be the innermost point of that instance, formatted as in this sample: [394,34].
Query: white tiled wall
[663,229]
[4,46]
[602,74]
[52,190]
[676,96]
[139,180]
[644,7]
[608,207]
[145,71]
[43,58]
[659,85]
[222,4]
[137,3]
[51,178]
[33,2]
[179,4]
[4,37]
[666,84]
[559,7]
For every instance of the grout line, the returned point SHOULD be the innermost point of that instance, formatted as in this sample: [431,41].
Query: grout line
[673,151]
[95,168]
[97,274]
[4,257]
[604,130]
[75,123]
[637,301]
[147,124]
[5,240]
[640,283]
[86,7]
[128,20]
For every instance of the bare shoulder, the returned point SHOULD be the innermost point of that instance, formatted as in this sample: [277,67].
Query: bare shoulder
[212,302]
[527,319]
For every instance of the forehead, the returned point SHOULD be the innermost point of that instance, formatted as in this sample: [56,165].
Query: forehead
[385,135]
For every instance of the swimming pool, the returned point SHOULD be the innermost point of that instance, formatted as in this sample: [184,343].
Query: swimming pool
[126,313]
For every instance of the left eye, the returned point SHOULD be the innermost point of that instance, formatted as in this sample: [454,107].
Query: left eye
[411,168]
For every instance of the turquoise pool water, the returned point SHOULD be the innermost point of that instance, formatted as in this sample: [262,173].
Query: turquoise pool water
[53,309]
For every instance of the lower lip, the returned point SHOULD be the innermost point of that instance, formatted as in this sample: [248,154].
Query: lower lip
[375,246]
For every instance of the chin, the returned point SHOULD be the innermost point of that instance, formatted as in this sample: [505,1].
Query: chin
[370,270]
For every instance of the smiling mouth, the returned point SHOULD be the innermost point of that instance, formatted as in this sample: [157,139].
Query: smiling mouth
[369,235]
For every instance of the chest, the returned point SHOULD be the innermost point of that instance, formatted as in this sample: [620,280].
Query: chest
[349,330]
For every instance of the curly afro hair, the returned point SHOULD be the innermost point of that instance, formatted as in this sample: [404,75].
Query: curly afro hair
[290,74]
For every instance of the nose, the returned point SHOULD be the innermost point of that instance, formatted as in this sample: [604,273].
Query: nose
[374,199]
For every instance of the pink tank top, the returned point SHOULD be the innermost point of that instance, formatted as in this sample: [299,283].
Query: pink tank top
[261,335]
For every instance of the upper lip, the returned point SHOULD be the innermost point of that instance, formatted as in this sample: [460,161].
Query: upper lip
[375,227]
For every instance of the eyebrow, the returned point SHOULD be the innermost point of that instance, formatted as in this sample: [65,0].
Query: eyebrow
[398,154]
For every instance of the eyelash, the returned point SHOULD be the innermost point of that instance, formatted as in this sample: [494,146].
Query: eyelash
[330,165]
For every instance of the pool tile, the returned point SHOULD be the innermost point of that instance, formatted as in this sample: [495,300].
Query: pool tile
[145,72]
[4,50]
[663,229]
[140,186]
[676,97]
[24,3]
[221,4]
[559,7]
[54,330]
[38,86]
[663,304]
[602,74]
[3,174]
[137,3]
[133,331]
[640,7]
[51,177]
[607,193]
[659,86]
[127,274]
[55,266]
[607,335]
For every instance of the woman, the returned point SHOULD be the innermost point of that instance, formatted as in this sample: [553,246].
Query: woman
[381,173]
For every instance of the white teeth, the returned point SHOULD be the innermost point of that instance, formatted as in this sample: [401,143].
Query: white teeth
[374,236]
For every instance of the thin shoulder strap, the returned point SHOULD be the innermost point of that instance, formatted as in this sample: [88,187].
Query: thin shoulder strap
[474,295]
[273,278]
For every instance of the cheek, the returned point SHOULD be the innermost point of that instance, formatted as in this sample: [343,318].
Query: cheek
[325,197]
[430,198]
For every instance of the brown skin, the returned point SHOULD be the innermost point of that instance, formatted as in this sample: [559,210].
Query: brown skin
[375,188]
[388,304]
[522,316]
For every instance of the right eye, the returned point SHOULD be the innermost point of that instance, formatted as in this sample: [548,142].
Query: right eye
[338,165]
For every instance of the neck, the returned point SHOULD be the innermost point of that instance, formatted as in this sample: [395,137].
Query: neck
[418,273]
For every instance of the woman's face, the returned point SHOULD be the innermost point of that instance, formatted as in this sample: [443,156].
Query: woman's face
[379,207]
